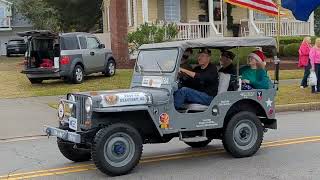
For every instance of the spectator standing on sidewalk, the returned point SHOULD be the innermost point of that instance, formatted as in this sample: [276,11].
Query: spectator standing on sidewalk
[315,64]
[304,61]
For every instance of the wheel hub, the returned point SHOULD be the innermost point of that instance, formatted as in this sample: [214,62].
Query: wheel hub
[119,149]
[245,134]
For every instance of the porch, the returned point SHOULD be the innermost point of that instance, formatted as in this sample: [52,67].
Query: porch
[261,25]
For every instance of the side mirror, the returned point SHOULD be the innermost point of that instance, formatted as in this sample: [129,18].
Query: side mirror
[102,46]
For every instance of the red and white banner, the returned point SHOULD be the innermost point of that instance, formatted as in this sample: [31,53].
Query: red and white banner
[264,6]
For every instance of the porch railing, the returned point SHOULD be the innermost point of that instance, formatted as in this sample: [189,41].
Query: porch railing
[288,28]
[198,30]
[188,31]
[5,22]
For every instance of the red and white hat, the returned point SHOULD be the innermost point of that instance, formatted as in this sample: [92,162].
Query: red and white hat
[258,56]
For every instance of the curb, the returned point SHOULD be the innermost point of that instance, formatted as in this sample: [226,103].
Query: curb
[312,106]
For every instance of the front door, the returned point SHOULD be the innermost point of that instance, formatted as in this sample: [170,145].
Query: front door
[96,54]
[172,10]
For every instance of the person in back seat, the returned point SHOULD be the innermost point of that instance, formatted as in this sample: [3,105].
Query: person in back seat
[227,67]
[202,85]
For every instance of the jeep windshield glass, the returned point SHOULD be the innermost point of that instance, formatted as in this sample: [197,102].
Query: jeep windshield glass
[158,60]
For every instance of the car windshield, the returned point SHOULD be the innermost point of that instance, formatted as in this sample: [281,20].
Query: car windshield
[163,60]
[15,42]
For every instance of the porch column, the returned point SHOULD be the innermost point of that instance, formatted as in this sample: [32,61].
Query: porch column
[311,20]
[211,20]
[135,14]
[210,6]
[145,11]
[250,22]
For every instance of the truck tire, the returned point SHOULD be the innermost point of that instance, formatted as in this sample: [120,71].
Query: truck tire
[117,149]
[110,69]
[243,135]
[8,55]
[72,154]
[77,75]
[35,81]
[198,144]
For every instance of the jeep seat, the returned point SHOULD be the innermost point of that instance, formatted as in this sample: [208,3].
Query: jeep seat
[195,108]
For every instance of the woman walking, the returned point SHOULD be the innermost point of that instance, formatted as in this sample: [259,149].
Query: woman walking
[315,64]
[304,61]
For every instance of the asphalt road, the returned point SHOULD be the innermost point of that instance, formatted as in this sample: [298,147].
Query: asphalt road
[26,116]
[291,152]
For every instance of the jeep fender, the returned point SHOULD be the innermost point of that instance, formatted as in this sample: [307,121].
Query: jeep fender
[246,105]
[131,109]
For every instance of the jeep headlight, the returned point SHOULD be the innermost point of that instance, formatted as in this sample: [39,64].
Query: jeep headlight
[71,97]
[88,105]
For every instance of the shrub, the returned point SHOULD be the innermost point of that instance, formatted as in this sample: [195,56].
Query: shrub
[295,39]
[291,50]
[151,33]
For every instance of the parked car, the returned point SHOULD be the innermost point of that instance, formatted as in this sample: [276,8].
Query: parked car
[68,56]
[15,47]
[110,127]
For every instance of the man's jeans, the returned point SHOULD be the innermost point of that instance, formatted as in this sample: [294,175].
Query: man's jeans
[188,95]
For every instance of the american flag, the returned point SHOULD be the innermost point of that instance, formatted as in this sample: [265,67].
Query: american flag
[264,6]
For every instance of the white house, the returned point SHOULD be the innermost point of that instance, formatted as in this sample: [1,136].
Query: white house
[10,24]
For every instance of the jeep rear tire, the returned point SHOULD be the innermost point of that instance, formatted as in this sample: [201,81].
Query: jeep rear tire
[110,69]
[117,149]
[77,75]
[243,135]
[76,155]
[35,81]
[198,144]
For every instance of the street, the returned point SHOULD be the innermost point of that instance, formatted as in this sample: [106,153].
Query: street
[291,152]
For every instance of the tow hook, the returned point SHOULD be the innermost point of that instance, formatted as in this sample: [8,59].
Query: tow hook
[265,130]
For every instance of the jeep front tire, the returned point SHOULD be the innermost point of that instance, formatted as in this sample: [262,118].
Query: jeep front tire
[117,149]
[243,135]
[76,155]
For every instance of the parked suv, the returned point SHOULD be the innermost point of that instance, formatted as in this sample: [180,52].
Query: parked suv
[69,56]
[16,46]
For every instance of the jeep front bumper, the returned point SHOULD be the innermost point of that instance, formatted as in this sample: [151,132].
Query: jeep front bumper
[63,134]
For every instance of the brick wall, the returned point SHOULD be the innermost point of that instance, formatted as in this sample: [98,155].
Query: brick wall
[119,32]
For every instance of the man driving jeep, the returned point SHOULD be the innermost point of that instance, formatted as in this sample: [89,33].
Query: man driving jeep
[202,83]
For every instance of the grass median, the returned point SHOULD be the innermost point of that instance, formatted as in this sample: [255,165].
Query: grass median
[14,84]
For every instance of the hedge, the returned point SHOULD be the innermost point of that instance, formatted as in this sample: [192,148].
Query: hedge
[296,39]
[291,50]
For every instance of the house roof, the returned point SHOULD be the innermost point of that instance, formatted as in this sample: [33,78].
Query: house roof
[216,42]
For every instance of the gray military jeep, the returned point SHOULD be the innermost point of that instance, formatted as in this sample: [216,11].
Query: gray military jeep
[111,126]
[68,56]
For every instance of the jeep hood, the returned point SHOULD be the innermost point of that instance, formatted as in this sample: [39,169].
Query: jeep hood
[129,97]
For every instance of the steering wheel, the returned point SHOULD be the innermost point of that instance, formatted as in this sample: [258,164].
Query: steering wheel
[182,78]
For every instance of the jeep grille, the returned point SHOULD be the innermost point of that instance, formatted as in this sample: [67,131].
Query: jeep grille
[80,99]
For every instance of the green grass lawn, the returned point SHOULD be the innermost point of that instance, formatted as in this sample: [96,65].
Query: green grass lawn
[14,84]
[288,74]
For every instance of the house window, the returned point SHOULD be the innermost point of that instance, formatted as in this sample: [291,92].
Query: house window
[3,21]
[172,10]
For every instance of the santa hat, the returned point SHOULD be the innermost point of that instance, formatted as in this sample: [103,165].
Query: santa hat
[258,56]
